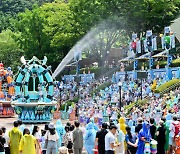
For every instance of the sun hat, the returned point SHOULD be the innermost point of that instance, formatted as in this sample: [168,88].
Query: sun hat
[51,126]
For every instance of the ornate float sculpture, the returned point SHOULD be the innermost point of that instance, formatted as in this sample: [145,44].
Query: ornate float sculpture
[168,43]
[34,86]
[6,91]
[135,44]
[168,39]
[150,42]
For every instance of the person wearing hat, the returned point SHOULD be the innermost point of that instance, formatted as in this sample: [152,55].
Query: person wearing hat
[52,139]
[144,136]
[89,138]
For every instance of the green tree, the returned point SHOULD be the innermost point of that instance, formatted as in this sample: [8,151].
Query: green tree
[33,40]
[109,29]
[127,16]
[137,16]
[140,16]
[48,30]
[10,53]
[10,8]
[106,36]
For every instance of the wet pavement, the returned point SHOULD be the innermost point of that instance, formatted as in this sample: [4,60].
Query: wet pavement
[8,123]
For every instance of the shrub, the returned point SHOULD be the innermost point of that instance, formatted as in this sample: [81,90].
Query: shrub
[176,63]
[101,87]
[69,103]
[139,103]
[166,85]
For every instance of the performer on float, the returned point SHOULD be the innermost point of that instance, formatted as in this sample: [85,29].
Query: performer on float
[6,91]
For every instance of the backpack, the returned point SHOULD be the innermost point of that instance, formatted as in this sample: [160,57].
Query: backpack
[177,128]
[70,143]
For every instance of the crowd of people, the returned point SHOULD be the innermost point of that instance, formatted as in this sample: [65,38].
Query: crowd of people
[101,127]
[125,136]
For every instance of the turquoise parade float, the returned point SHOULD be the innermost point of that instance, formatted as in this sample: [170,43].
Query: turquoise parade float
[34,88]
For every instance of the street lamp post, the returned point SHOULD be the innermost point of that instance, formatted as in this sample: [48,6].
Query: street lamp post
[60,88]
[120,85]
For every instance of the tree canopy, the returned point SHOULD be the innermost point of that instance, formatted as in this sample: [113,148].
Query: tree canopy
[10,53]
[10,8]
[52,27]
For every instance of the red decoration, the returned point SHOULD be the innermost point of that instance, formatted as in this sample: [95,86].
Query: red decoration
[133,45]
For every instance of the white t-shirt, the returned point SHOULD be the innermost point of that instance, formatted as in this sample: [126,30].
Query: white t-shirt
[37,135]
[7,140]
[109,138]
[50,137]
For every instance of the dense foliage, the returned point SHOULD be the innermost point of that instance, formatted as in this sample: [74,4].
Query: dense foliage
[52,27]
[10,8]
[9,50]
[167,85]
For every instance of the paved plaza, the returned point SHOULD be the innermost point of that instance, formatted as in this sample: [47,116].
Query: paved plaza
[8,123]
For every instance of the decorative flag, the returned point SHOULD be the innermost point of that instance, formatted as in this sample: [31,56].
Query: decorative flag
[138,46]
[172,41]
[145,46]
[134,36]
[163,42]
[148,33]
[167,29]
[154,44]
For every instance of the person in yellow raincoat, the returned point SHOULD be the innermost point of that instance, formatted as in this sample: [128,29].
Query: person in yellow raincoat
[122,125]
[27,143]
[123,128]
[153,86]
[15,136]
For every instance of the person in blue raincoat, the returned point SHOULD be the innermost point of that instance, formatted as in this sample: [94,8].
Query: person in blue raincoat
[89,138]
[94,124]
[144,136]
[61,131]
[130,124]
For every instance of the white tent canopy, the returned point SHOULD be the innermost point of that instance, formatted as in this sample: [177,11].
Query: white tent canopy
[131,58]
[145,56]
[161,54]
